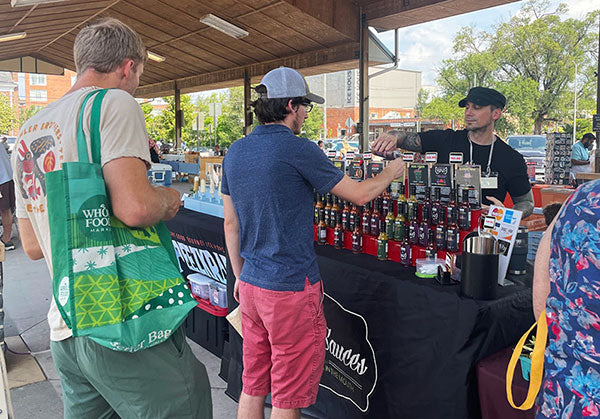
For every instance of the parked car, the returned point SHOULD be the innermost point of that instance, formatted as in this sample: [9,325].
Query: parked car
[533,149]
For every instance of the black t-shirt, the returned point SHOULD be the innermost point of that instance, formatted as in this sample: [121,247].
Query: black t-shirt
[506,161]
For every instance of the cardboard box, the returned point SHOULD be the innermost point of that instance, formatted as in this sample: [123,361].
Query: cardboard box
[191,157]
[550,195]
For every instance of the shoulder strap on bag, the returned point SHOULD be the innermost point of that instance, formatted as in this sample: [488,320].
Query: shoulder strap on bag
[82,147]
[537,363]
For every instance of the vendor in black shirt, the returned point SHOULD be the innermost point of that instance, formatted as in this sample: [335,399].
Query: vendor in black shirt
[478,144]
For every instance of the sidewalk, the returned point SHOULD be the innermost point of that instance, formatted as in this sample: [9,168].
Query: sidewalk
[35,387]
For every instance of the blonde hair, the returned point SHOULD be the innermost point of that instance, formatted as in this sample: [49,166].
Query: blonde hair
[105,44]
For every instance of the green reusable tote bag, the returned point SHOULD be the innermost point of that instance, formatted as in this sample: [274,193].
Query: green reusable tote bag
[118,285]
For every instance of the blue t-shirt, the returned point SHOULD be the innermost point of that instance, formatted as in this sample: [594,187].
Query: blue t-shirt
[270,176]
[579,152]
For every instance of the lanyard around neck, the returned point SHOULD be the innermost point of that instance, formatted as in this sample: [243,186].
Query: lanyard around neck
[487,172]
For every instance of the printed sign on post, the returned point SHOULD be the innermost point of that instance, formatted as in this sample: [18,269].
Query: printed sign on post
[455,158]
[431,157]
[506,226]
[408,157]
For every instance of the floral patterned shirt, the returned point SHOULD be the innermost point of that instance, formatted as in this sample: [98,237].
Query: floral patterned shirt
[571,386]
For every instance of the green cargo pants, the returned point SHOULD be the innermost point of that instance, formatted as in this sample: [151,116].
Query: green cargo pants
[164,381]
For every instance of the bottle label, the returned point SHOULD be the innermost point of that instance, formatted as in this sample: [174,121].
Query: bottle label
[389,228]
[356,242]
[452,240]
[440,238]
[412,234]
[338,238]
[399,231]
[405,255]
[435,214]
[322,233]
[375,226]
[382,249]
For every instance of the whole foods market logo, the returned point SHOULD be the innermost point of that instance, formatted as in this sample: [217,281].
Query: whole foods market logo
[94,217]
[350,369]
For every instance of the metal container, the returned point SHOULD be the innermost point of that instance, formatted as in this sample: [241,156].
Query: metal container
[479,270]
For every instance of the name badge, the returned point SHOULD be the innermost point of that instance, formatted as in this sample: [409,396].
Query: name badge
[489,181]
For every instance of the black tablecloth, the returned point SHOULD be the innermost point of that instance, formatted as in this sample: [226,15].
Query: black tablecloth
[426,339]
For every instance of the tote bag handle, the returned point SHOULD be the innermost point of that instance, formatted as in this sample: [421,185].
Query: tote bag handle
[82,147]
[537,364]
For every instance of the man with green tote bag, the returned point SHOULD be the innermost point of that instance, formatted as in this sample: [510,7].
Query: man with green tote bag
[110,360]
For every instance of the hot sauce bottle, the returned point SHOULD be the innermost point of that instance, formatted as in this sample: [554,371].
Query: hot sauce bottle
[346,216]
[413,204]
[356,239]
[366,221]
[328,210]
[318,209]
[382,246]
[375,219]
[386,198]
[405,252]
[436,207]
[334,213]
[426,208]
[464,212]
[400,223]
[338,236]
[322,232]
[353,218]
[390,221]
[430,250]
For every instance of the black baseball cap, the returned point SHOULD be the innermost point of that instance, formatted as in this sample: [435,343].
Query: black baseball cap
[588,135]
[484,96]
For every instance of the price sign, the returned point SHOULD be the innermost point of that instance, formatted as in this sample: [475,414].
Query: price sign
[431,157]
[456,158]
[367,156]
[350,155]
[408,157]
[331,154]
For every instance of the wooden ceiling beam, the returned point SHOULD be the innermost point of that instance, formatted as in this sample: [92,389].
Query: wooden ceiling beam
[392,14]
[346,52]
[342,15]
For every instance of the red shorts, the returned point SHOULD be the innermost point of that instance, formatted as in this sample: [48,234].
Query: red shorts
[284,343]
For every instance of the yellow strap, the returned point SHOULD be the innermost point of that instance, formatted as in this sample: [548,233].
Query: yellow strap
[537,364]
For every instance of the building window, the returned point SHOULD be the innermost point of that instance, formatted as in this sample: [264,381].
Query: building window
[37,79]
[373,115]
[38,95]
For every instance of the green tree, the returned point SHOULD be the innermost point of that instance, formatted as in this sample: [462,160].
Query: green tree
[445,108]
[165,122]
[7,115]
[422,100]
[584,125]
[313,126]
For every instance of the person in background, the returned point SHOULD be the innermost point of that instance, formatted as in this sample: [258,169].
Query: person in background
[502,166]
[154,151]
[580,155]
[269,237]
[166,380]
[320,144]
[217,150]
[550,211]
[7,199]
[566,283]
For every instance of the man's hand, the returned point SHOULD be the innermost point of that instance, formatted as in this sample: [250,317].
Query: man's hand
[236,290]
[172,200]
[385,142]
[485,209]
[397,167]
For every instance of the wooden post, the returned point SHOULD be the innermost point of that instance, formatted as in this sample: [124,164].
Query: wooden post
[178,117]
[363,76]
[247,107]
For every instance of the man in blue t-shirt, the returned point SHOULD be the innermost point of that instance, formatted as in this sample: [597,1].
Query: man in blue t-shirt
[580,156]
[503,167]
[268,182]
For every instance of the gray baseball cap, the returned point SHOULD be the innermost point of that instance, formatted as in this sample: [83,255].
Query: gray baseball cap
[284,82]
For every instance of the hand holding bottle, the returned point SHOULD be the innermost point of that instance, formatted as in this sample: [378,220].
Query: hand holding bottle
[396,167]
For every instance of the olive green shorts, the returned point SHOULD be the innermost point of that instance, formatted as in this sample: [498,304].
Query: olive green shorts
[164,381]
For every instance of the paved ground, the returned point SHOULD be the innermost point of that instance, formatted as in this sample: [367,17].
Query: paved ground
[27,293]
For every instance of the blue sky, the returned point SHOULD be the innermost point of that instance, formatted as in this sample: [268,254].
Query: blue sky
[424,46]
